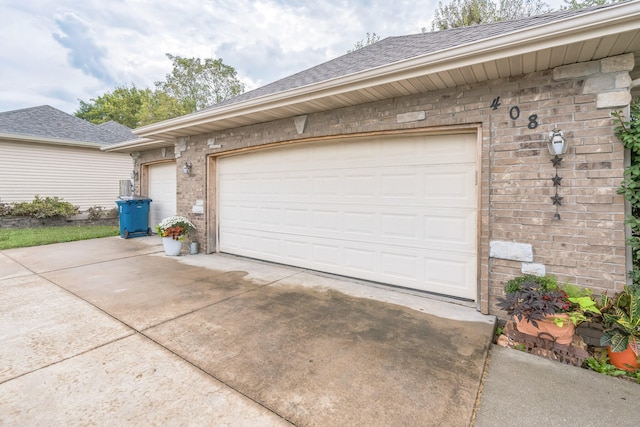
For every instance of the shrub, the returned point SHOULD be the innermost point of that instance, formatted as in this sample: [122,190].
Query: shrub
[47,207]
[5,209]
[629,133]
[98,212]
[546,283]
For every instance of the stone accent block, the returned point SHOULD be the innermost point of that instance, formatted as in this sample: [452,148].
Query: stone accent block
[511,251]
[415,116]
[534,269]
[616,99]
[180,146]
[623,81]
[573,71]
[301,123]
[599,84]
[614,64]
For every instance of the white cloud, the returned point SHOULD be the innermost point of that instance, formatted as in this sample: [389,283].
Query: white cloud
[85,52]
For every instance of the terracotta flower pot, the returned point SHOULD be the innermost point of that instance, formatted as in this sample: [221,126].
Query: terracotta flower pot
[625,359]
[547,328]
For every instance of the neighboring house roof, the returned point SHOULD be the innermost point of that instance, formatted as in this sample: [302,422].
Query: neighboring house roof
[115,132]
[405,65]
[47,124]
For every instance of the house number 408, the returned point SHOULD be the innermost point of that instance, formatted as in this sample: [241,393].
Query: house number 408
[514,113]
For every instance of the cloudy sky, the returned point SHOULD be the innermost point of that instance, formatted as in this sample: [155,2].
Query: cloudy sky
[57,52]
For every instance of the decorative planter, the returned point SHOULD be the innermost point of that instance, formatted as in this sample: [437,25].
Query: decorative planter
[171,247]
[625,359]
[547,328]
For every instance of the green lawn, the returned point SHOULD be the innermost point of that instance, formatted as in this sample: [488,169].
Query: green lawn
[23,237]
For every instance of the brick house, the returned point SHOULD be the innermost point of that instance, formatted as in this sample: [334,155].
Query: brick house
[421,161]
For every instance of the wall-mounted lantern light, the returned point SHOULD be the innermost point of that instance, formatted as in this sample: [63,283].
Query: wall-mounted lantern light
[186,169]
[557,145]
[134,174]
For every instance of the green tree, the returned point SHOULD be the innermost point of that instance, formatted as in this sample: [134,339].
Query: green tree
[158,107]
[198,84]
[464,13]
[191,86]
[371,39]
[130,106]
[122,106]
[575,4]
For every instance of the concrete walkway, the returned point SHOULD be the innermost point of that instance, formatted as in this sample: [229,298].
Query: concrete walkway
[113,332]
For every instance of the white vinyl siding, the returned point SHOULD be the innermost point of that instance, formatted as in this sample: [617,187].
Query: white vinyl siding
[398,210]
[85,177]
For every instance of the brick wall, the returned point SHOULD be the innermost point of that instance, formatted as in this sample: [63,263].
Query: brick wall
[514,117]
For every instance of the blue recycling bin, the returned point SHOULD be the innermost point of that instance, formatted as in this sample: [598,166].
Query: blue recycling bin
[134,217]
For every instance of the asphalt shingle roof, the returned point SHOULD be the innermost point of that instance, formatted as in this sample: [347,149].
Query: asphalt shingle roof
[47,122]
[395,49]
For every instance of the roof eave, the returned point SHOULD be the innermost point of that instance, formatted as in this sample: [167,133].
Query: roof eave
[51,141]
[137,144]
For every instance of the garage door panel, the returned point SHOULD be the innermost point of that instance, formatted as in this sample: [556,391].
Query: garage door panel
[451,230]
[399,226]
[270,186]
[297,250]
[296,185]
[360,260]
[296,218]
[398,210]
[326,221]
[362,185]
[449,185]
[271,216]
[451,149]
[328,185]
[363,223]
[400,185]
[403,267]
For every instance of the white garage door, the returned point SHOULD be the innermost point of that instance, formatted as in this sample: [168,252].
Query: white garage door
[162,192]
[398,210]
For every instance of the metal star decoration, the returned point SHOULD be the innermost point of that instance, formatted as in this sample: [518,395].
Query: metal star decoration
[557,200]
[556,180]
[556,161]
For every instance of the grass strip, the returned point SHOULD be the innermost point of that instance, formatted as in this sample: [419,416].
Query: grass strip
[24,237]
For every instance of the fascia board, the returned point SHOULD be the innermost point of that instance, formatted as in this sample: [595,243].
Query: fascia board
[134,144]
[50,141]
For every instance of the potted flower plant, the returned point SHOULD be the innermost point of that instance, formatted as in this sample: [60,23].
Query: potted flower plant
[621,327]
[540,307]
[173,231]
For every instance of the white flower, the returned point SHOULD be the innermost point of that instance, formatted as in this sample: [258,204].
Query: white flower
[174,221]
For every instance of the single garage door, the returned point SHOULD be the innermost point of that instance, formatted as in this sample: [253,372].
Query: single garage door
[400,210]
[162,192]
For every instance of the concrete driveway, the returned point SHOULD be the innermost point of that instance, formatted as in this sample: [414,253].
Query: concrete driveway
[113,332]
